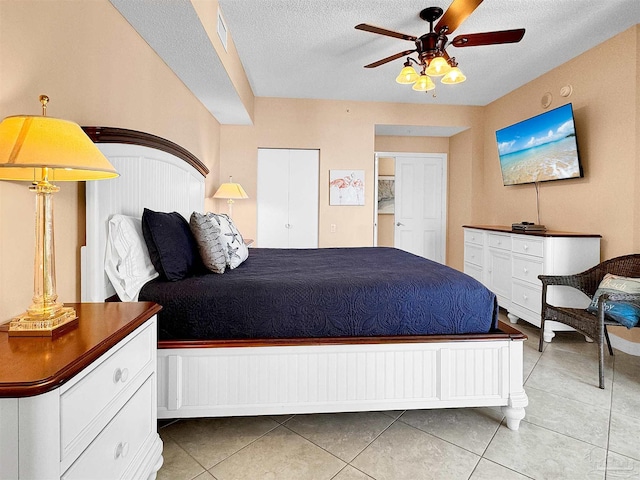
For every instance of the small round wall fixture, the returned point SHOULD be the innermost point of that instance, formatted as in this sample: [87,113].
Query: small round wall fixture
[546,100]
[566,91]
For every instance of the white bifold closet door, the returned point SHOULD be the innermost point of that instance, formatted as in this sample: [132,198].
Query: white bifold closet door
[288,198]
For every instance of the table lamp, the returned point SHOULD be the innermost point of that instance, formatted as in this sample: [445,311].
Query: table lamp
[231,191]
[41,150]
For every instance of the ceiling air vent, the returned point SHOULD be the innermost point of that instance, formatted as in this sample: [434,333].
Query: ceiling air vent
[222,31]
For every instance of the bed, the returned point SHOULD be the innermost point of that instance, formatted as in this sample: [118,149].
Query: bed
[257,369]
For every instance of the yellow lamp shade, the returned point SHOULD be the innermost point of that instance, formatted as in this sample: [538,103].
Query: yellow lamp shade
[230,190]
[33,148]
[437,67]
[454,76]
[407,76]
[424,84]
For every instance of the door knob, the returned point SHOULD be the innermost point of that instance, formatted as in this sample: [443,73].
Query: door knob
[400,224]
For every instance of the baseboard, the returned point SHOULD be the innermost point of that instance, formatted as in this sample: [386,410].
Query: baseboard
[632,348]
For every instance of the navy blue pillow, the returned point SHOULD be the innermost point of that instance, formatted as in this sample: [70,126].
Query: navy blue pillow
[172,248]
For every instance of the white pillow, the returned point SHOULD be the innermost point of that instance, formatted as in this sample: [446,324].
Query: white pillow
[127,262]
[232,242]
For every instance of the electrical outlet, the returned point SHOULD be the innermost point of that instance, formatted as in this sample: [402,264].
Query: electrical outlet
[333,228]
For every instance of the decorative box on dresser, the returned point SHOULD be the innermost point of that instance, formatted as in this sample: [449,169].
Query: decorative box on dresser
[509,263]
[83,404]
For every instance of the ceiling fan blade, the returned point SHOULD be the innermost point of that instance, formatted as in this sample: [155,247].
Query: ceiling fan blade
[488,38]
[388,59]
[384,31]
[457,13]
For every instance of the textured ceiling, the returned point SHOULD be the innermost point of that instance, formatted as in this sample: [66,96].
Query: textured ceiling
[310,49]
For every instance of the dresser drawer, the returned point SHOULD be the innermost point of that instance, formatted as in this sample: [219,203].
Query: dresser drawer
[473,236]
[527,296]
[527,269]
[82,404]
[111,453]
[502,242]
[473,254]
[473,271]
[528,245]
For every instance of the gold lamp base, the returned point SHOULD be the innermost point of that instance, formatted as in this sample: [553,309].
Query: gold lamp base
[46,325]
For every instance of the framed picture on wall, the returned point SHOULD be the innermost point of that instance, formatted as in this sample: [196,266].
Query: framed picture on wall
[386,194]
[346,187]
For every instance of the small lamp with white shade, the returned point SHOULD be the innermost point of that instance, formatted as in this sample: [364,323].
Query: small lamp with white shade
[230,191]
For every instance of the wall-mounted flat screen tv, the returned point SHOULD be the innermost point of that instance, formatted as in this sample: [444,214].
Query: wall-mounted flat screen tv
[540,149]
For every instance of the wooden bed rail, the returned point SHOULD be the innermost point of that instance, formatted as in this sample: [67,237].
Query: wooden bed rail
[505,331]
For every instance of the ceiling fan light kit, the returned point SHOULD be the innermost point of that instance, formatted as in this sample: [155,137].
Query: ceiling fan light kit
[408,74]
[424,84]
[431,47]
[438,67]
[454,76]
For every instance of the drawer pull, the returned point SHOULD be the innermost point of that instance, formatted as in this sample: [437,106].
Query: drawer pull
[525,297]
[120,375]
[122,449]
[525,270]
[526,247]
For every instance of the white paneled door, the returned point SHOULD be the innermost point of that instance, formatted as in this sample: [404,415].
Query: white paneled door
[420,205]
[288,198]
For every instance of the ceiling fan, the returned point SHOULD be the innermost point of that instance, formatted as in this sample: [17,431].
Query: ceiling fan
[431,47]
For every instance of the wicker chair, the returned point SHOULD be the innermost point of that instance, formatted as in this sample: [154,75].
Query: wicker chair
[592,326]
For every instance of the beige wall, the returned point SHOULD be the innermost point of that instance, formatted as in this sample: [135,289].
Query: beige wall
[607,113]
[386,230]
[345,134]
[97,71]
[389,143]
[605,201]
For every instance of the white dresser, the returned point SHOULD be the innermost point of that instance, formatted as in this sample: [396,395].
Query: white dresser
[509,263]
[82,405]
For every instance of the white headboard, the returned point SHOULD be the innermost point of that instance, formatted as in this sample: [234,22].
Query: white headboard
[151,177]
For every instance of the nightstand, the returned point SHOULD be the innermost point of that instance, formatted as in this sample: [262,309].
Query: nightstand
[82,405]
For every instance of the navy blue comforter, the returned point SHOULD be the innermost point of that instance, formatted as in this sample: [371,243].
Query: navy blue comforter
[329,292]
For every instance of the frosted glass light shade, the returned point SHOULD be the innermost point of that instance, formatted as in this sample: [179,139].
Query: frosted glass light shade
[407,76]
[454,76]
[437,67]
[424,84]
[33,148]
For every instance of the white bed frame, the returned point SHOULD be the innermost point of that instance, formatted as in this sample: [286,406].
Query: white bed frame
[229,378]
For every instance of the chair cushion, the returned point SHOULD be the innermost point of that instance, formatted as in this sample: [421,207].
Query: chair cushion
[626,313]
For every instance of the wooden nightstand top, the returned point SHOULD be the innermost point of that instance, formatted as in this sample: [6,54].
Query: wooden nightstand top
[35,365]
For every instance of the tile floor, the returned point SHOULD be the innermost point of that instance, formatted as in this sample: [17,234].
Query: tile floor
[572,430]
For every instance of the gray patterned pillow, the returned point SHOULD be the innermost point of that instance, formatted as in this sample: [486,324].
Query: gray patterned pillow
[207,235]
[234,247]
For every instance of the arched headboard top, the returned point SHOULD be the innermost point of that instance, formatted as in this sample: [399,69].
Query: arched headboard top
[134,137]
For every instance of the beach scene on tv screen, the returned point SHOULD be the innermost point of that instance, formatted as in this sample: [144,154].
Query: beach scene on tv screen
[539,149]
